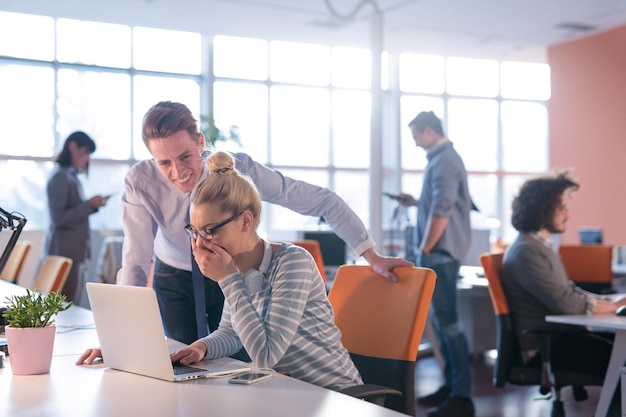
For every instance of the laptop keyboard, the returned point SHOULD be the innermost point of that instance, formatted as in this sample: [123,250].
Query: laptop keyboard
[184,369]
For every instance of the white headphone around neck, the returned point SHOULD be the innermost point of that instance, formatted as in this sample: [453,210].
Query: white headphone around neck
[253,278]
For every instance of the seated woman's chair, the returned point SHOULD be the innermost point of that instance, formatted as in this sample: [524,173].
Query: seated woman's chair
[509,367]
[382,323]
[313,247]
[15,262]
[53,274]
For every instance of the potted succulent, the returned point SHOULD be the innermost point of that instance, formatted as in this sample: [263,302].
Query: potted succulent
[30,330]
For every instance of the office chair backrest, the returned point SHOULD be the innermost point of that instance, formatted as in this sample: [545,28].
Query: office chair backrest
[313,247]
[382,323]
[13,267]
[492,265]
[588,265]
[506,342]
[53,274]
[109,259]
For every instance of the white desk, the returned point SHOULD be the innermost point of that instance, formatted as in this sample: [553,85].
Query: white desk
[618,354]
[70,390]
[98,391]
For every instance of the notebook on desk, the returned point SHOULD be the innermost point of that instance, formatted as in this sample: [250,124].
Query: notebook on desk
[131,335]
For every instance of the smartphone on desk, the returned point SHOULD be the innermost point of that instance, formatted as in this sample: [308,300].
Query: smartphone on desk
[250,378]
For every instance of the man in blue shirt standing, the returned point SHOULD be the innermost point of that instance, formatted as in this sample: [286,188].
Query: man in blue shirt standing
[441,242]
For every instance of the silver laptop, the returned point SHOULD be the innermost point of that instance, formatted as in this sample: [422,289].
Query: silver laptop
[132,339]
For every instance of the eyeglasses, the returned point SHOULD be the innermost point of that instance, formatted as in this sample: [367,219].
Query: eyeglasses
[563,207]
[208,234]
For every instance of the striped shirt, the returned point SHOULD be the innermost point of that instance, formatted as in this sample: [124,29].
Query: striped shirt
[287,325]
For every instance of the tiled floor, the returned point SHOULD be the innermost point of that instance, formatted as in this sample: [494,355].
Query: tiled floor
[510,401]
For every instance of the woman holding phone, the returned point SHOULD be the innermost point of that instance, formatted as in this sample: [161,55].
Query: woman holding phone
[68,232]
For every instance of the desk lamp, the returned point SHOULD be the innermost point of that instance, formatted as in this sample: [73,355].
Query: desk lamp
[15,222]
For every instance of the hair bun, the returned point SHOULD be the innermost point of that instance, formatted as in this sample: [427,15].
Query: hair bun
[221,170]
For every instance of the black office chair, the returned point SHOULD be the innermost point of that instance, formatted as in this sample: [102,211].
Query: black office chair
[509,367]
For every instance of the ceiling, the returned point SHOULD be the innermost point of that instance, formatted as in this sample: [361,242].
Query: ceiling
[500,29]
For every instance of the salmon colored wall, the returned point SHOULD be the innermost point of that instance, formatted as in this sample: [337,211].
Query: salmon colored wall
[588,130]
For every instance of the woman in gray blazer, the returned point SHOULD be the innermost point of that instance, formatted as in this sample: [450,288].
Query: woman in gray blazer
[68,233]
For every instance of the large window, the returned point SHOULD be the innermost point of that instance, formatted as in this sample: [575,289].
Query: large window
[59,76]
[301,108]
[496,116]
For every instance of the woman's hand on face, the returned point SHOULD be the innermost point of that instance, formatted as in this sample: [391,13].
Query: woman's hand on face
[189,354]
[90,356]
[214,262]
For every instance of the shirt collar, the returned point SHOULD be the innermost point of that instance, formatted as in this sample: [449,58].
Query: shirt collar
[543,239]
[438,145]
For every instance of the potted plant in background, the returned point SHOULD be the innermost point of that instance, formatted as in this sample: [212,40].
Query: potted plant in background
[30,330]
[212,134]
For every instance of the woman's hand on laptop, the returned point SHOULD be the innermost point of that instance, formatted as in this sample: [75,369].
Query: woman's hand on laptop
[193,353]
[90,356]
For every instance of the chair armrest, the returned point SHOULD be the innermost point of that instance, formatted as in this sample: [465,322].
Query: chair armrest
[371,393]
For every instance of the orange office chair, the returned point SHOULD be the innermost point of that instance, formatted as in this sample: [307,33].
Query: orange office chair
[313,247]
[53,274]
[589,266]
[509,367]
[382,323]
[13,267]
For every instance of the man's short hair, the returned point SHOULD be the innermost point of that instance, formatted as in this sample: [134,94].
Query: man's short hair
[427,119]
[166,118]
[537,200]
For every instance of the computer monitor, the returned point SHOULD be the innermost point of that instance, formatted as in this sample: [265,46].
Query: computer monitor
[590,235]
[332,246]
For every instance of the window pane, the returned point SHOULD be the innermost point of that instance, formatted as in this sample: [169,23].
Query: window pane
[299,126]
[167,50]
[26,195]
[354,189]
[148,91]
[473,128]
[99,104]
[244,106]
[26,36]
[93,43]
[525,80]
[473,77]
[511,185]
[281,218]
[240,58]
[106,179]
[410,106]
[27,110]
[299,63]
[524,137]
[422,73]
[351,128]
[351,67]
[484,192]
[412,184]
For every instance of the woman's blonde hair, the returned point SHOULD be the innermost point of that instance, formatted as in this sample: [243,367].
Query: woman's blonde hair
[231,190]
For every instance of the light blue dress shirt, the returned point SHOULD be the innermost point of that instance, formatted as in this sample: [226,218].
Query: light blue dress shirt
[154,214]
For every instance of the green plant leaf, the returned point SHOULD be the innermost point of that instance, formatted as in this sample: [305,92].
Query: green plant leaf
[34,309]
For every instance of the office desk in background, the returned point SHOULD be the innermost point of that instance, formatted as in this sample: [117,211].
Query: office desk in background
[609,322]
[476,311]
[96,390]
